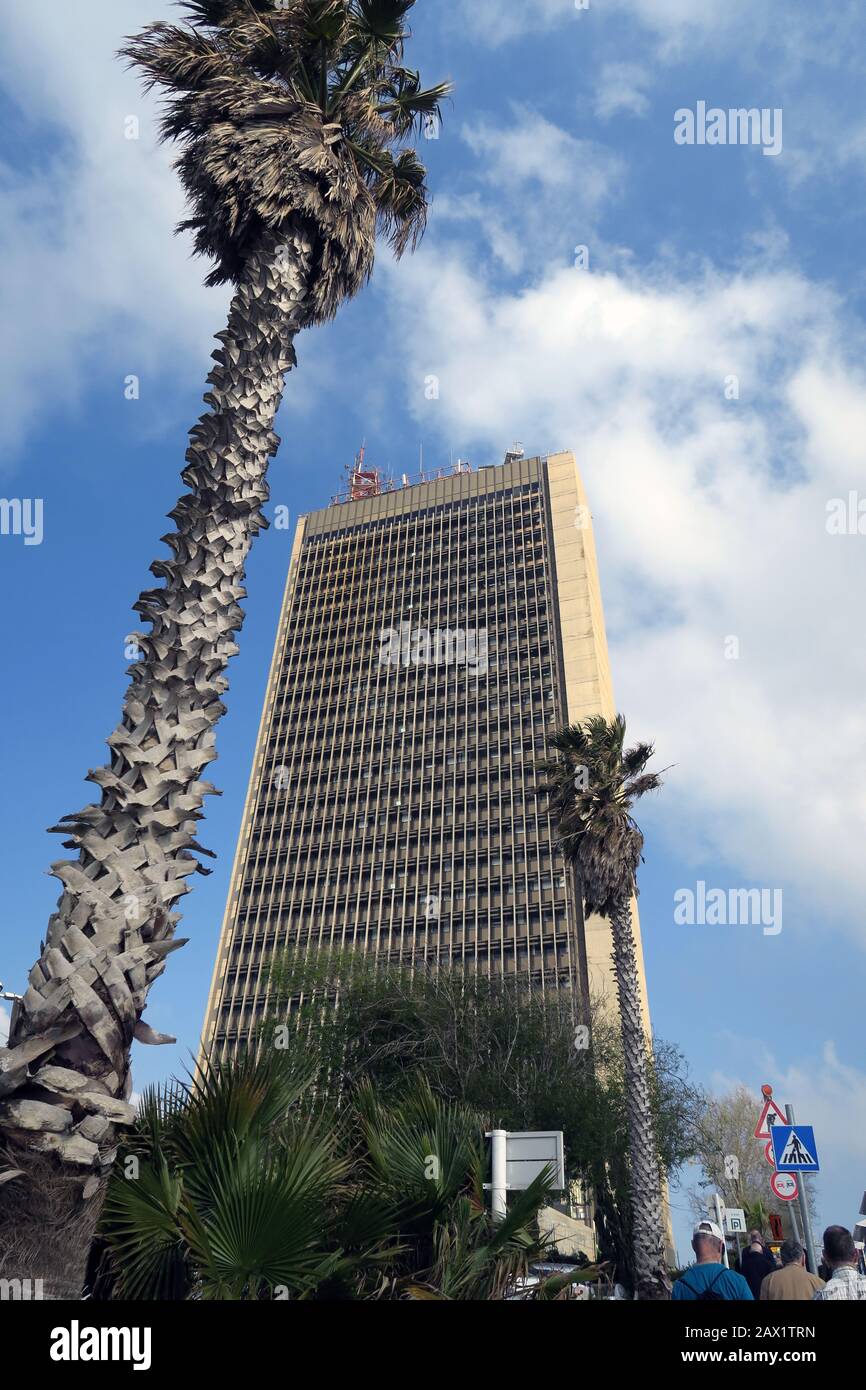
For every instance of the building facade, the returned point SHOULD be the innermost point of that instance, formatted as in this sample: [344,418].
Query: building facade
[430,639]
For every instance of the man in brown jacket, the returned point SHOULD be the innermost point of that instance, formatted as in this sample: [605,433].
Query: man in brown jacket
[792,1283]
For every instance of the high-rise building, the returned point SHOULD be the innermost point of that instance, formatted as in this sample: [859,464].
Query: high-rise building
[431,638]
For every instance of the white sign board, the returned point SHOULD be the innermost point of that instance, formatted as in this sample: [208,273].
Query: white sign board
[528,1153]
[735,1221]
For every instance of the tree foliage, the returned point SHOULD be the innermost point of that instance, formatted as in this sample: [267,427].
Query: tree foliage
[494,1045]
[294,109]
[233,1188]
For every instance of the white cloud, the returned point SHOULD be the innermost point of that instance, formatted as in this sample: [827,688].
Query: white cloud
[621,87]
[680,22]
[531,165]
[5,1021]
[497,23]
[92,271]
[710,516]
[794,54]
[682,27]
[95,282]
[531,154]
[676,21]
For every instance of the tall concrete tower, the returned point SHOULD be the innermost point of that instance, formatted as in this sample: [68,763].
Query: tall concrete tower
[431,638]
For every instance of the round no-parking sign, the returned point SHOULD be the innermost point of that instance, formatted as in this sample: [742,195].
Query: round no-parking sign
[784,1185]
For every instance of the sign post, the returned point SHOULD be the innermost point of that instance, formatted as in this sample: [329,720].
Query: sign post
[498,1168]
[517,1158]
[805,1214]
[720,1222]
[784,1181]
[735,1225]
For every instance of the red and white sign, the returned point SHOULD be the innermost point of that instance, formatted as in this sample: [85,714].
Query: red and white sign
[785,1186]
[769,1155]
[770,1115]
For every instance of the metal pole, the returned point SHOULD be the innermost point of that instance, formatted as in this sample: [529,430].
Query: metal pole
[805,1214]
[498,1173]
[795,1226]
[720,1222]
[797,1204]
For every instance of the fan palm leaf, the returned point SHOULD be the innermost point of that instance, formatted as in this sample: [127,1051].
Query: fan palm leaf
[142,1214]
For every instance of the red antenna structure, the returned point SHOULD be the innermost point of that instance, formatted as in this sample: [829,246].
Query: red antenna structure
[364,482]
[361,481]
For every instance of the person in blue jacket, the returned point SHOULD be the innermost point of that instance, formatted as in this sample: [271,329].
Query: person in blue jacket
[709,1279]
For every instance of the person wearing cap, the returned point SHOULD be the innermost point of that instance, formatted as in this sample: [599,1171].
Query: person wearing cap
[792,1283]
[709,1278]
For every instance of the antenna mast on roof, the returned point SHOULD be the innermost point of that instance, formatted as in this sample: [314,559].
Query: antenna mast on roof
[361,481]
[364,482]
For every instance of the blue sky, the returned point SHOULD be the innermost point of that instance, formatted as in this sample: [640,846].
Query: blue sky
[705,263]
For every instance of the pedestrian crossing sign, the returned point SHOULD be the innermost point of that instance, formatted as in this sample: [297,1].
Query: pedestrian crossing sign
[794,1149]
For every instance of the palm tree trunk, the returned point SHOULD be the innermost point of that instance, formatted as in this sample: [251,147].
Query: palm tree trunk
[643,1152]
[65,1077]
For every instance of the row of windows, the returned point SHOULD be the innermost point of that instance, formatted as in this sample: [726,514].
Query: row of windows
[430,646]
[250,976]
[430,877]
[391,843]
[514,823]
[371,831]
[316,894]
[356,720]
[235,1015]
[272,927]
[479,504]
[460,563]
[322,756]
[506,699]
[519,583]
[436,680]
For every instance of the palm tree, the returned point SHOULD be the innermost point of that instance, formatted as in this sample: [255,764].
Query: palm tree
[290,115]
[592,788]
[426,1163]
[220,1193]
[236,1186]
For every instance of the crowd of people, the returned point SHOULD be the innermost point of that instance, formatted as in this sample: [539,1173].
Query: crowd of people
[761,1277]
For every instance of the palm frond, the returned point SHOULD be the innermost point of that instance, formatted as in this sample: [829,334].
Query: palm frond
[260,1225]
[293,112]
[591,789]
[181,59]
[383,20]
[140,1224]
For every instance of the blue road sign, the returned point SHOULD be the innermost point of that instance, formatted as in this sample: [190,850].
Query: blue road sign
[794,1149]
